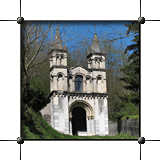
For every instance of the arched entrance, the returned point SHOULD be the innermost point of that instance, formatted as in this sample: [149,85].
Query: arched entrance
[78,120]
[81,117]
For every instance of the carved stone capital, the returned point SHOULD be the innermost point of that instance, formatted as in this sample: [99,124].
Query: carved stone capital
[70,116]
[89,117]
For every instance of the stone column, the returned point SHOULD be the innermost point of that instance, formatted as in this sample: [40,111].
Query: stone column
[84,85]
[96,114]
[106,116]
[88,125]
[54,60]
[93,64]
[65,61]
[70,83]
[66,116]
[58,61]
[92,125]
[94,85]
[55,83]
[70,124]
[52,124]
[73,85]
[55,113]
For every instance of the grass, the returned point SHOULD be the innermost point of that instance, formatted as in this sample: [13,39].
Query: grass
[35,127]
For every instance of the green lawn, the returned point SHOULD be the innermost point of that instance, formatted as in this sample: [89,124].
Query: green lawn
[35,127]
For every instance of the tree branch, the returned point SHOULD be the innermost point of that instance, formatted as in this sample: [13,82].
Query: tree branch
[42,60]
[120,37]
[30,62]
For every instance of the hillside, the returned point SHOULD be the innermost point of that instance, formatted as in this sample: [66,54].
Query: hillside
[35,127]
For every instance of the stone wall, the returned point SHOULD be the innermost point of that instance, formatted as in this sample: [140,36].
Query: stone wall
[113,127]
[130,126]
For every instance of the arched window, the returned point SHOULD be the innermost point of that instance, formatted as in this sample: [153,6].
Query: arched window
[79,84]
[99,84]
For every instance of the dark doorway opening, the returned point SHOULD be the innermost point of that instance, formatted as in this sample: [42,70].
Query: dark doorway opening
[78,120]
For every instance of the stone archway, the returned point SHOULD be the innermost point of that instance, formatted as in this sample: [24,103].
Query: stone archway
[81,117]
[79,122]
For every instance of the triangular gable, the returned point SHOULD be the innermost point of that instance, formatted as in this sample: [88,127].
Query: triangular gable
[78,68]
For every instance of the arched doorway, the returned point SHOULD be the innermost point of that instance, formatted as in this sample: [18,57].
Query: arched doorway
[81,117]
[78,120]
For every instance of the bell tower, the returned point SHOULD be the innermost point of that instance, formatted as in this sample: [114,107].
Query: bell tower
[96,58]
[58,65]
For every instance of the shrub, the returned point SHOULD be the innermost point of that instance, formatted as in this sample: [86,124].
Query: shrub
[35,99]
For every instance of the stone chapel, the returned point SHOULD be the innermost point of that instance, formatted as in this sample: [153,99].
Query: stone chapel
[78,96]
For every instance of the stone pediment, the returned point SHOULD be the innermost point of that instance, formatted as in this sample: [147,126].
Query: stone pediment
[78,69]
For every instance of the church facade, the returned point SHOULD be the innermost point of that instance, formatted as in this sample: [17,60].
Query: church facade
[78,99]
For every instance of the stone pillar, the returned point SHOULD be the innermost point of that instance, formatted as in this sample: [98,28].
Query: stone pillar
[84,85]
[94,85]
[55,113]
[96,113]
[93,64]
[54,60]
[58,61]
[66,116]
[55,83]
[73,85]
[65,61]
[70,124]
[70,83]
[106,116]
[88,125]
[92,125]
[52,124]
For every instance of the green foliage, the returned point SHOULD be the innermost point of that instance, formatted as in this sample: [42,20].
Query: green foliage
[136,117]
[35,99]
[131,70]
[126,107]
[40,77]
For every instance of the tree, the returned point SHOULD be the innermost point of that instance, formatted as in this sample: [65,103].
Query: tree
[33,43]
[131,73]
[37,40]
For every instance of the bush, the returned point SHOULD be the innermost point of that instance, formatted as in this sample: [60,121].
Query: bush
[35,99]
[132,109]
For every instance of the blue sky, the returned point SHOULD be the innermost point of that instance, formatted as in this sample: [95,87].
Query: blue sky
[85,30]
